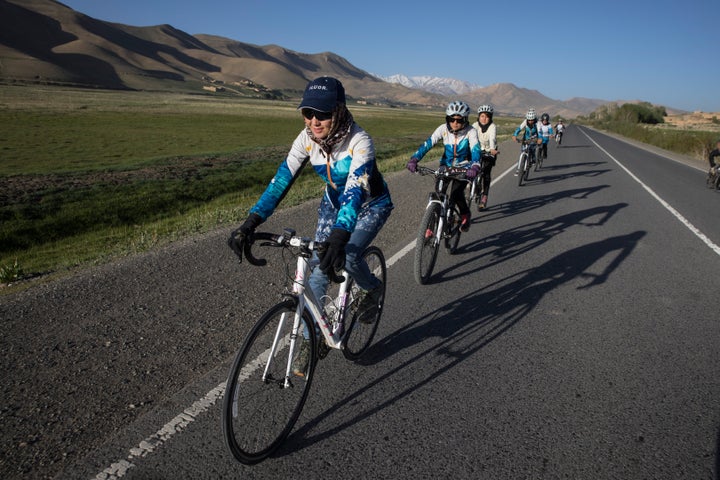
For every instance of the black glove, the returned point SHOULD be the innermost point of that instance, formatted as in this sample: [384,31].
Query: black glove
[239,237]
[333,258]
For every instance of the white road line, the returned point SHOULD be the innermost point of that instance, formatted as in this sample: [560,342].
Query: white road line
[714,247]
[153,442]
[119,468]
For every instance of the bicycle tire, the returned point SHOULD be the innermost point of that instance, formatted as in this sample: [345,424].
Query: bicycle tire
[538,162]
[453,228]
[426,248]
[528,163]
[257,414]
[360,332]
[473,196]
[521,174]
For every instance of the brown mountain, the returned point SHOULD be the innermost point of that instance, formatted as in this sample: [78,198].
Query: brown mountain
[46,41]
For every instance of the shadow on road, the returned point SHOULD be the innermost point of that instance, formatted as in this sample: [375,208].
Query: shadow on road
[502,210]
[466,326]
[498,248]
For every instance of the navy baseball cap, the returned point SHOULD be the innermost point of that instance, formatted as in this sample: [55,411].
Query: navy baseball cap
[323,94]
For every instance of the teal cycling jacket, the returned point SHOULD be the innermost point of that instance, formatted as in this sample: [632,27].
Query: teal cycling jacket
[350,172]
[458,146]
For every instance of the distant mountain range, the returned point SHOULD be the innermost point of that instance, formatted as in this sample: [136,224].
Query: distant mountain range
[44,41]
[444,86]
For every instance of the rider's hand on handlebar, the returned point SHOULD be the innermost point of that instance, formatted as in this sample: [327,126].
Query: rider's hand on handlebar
[412,164]
[243,234]
[472,171]
[333,258]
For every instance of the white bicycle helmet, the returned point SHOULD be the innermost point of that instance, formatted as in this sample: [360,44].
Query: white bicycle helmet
[485,109]
[457,108]
[531,115]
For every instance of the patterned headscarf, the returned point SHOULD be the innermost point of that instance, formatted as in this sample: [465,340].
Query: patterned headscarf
[342,120]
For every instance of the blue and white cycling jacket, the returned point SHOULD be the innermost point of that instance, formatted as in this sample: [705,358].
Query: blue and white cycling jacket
[351,167]
[529,132]
[459,146]
[545,132]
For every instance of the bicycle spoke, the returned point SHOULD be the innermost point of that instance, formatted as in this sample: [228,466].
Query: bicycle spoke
[261,403]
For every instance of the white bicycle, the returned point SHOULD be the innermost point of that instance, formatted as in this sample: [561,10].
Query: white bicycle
[263,397]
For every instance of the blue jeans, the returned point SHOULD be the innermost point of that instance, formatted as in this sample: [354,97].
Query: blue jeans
[370,221]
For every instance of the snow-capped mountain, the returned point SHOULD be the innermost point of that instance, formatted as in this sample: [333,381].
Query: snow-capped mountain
[442,86]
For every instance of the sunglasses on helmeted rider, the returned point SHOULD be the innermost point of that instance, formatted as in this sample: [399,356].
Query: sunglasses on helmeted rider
[455,119]
[309,113]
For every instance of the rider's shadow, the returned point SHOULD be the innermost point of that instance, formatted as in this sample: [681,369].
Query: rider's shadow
[460,329]
[494,249]
[523,205]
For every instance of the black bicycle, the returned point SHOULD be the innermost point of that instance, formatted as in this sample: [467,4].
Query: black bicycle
[441,221]
[528,153]
[713,178]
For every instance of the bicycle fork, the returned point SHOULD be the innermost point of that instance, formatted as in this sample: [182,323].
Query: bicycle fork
[438,234]
[305,299]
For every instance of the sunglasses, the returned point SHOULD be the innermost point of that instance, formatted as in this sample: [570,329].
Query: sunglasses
[455,119]
[309,113]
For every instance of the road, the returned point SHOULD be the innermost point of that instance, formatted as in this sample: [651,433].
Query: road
[574,335]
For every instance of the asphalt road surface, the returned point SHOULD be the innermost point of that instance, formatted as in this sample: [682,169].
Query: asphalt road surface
[574,335]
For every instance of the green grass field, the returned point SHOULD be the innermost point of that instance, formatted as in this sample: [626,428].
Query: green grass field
[88,175]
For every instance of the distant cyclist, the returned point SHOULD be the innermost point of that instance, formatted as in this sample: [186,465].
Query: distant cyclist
[528,130]
[461,142]
[487,135]
[545,132]
[559,131]
[714,164]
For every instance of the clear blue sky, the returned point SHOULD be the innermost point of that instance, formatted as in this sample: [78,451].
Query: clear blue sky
[662,51]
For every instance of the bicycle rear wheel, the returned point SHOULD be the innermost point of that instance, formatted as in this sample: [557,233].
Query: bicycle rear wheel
[259,408]
[523,166]
[427,244]
[364,323]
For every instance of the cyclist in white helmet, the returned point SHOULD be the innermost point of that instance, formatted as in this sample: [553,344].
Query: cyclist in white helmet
[461,142]
[487,135]
[545,131]
[529,129]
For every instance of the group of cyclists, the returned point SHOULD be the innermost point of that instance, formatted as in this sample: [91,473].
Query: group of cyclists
[530,131]
[356,202]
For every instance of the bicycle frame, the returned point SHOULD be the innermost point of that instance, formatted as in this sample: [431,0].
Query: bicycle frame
[440,197]
[306,300]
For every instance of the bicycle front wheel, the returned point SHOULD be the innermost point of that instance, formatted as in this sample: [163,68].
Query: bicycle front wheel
[473,192]
[523,166]
[453,231]
[427,244]
[364,322]
[262,399]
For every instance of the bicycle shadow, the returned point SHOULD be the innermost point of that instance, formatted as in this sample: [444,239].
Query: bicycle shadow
[502,210]
[494,249]
[465,326]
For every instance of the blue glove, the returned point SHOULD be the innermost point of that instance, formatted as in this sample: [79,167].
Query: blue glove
[412,164]
[239,237]
[333,258]
[472,171]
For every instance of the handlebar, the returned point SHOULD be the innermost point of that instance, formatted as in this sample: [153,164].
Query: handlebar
[288,238]
[453,173]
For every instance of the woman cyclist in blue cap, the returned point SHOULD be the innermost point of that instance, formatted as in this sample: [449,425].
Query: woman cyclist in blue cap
[356,202]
